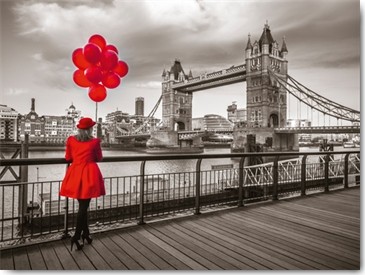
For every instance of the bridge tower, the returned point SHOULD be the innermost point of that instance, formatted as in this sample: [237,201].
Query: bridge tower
[176,105]
[266,101]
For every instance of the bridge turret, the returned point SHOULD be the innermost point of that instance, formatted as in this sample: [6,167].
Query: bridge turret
[284,49]
[248,47]
[266,40]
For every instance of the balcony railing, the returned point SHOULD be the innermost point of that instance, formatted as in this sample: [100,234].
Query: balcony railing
[35,209]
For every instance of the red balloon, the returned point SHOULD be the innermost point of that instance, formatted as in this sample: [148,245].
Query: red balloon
[109,60]
[98,40]
[111,48]
[111,80]
[97,93]
[80,79]
[121,69]
[93,74]
[79,59]
[92,53]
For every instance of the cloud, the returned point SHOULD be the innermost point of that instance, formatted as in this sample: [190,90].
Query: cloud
[16,92]
[149,85]
[205,35]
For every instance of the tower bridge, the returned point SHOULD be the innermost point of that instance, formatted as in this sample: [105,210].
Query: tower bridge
[268,87]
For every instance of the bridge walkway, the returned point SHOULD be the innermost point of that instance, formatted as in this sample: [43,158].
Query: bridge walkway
[320,231]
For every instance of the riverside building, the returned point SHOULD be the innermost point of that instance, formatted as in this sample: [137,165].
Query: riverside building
[8,123]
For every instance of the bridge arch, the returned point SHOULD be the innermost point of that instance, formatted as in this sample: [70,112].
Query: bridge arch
[179,126]
[273,120]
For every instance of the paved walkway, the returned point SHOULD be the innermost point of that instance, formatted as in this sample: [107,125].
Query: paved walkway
[316,232]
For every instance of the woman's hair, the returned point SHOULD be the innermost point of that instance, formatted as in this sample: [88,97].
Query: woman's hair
[84,134]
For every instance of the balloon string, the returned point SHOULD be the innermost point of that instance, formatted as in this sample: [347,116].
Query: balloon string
[96,112]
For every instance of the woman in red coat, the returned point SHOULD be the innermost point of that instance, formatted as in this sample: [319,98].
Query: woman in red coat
[83,179]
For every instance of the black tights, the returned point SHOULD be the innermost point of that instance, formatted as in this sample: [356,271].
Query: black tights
[81,223]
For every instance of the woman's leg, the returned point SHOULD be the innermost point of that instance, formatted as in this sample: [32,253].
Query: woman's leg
[85,224]
[81,222]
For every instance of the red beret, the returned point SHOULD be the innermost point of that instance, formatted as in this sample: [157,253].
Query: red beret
[86,123]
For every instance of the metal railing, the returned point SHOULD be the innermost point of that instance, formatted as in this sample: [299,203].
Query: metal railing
[139,197]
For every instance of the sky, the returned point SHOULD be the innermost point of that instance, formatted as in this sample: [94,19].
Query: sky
[38,38]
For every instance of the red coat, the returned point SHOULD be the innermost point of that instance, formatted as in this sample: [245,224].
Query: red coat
[83,179]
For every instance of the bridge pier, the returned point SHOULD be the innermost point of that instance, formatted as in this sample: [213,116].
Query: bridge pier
[264,140]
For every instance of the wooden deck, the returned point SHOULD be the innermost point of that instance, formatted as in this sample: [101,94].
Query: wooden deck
[317,232]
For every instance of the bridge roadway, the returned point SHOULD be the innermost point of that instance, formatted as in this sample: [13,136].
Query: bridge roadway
[320,231]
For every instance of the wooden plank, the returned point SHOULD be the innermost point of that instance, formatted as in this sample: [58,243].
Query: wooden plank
[21,261]
[80,258]
[186,249]
[172,250]
[322,214]
[95,258]
[281,232]
[234,252]
[306,249]
[36,258]
[277,220]
[304,231]
[198,247]
[64,256]
[176,263]
[50,257]
[132,252]
[256,254]
[277,254]
[312,215]
[6,260]
[118,252]
[146,252]
[315,224]
[227,262]
[109,257]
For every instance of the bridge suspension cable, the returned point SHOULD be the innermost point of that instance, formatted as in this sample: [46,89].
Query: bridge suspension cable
[150,115]
[316,101]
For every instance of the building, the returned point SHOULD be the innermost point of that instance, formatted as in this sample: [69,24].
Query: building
[139,110]
[73,113]
[31,124]
[211,122]
[8,123]
[48,129]
[58,128]
[236,115]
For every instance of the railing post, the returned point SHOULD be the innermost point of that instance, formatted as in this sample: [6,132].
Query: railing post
[326,170]
[23,187]
[346,170]
[275,176]
[303,175]
[240,182]
[197,187]
[66,217]
[141,194]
